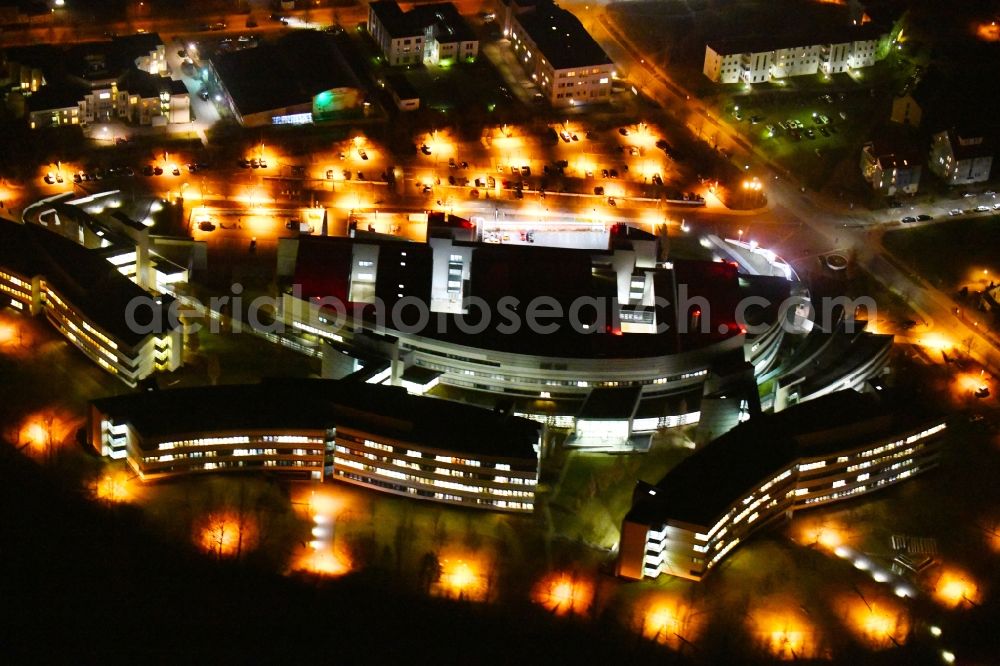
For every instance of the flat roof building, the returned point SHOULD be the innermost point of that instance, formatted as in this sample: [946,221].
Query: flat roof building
[569,67]
[300,78]
[426,34]
[834,448]
[377,437]
[621,321]
[761,58]
[121,327]
[124,78]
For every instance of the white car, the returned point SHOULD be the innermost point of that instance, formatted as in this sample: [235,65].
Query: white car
[955,211]
[982,209]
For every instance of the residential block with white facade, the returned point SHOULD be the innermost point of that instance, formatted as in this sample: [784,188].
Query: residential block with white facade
[560,56]
[761,59]
[427,34]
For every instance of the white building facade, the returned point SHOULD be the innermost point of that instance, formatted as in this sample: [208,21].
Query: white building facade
[757,61]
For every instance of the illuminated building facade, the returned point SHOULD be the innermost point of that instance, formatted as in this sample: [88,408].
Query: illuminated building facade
[891,169]
[298,79]
[87,300]
[433,34]
[831,449]
[123,79]
[377,437]
[563,60]
[960,157]
[762,59]
[559,376]
[99,223]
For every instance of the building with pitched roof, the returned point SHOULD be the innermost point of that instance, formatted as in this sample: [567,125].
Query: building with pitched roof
[892,167]
[961,157]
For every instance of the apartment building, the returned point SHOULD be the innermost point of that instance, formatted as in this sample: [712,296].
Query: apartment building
[430,34]
[961,157]
[891,168]
[122,79]
[563,60]
[765,58]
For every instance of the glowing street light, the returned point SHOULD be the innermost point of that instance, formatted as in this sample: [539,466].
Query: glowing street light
[462,578]
[669,621]
[563,594]
[954,589]
[783,631]
[880,623]
[226,534]
[114,487]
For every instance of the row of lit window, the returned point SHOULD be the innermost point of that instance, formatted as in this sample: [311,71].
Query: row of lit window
[206,441]
[440,471]
[451,485]
[809,466]
[15,292]
[13,279]
[556,382]
[90,340]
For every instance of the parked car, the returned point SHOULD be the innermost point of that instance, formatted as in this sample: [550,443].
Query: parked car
[908,219]
[925,217]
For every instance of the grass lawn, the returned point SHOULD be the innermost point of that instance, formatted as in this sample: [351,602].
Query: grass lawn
[948,253]
[241,358]
[459,86]
[595,489]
